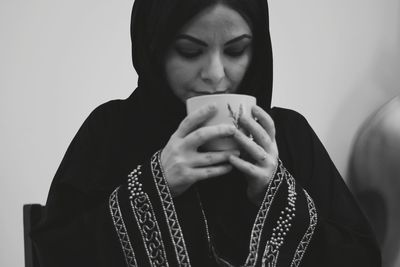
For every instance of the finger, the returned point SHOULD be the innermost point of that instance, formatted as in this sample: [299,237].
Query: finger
[195,119]
[265,121]
[254,150]
[212,158]
[245,167]
[207,133]
[259,134]
[199,174]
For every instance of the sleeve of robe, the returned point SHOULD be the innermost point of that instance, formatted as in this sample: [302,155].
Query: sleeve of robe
[342,236]
[90,219]
[308,216]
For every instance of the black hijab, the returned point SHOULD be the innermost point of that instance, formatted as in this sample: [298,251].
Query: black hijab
[154,25]
[152,109]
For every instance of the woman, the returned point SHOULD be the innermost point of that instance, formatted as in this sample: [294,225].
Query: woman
[283,204]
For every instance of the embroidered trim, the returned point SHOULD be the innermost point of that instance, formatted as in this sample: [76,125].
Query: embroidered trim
[146,221]
[120,228]
[283,225]
[174,227]
[262,215]
[302,247]
[149,230]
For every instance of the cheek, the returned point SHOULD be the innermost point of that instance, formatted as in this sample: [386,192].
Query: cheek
[179,73]
[238,69]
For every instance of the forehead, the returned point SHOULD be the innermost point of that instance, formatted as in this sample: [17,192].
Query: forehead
[217,21]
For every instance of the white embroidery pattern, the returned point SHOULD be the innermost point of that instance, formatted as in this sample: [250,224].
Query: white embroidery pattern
[146,221]
[302,247]
[148,226]
[270,257]
[169,211]
[283,225]
[262,215]
[120,228]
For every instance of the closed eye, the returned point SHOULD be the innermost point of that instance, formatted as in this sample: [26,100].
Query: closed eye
[188,53]
[236,51]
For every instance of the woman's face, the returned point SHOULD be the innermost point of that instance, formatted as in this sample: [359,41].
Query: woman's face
[210,55]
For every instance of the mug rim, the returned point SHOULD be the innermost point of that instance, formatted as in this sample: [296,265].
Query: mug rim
[213,96]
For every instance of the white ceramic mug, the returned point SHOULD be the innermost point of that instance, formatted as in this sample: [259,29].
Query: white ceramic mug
[229,109]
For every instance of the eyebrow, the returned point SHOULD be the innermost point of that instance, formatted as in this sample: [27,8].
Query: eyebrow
[202,43]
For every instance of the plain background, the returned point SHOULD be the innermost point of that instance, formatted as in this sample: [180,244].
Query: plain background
[335,62]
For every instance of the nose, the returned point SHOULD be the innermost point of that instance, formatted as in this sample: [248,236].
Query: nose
[213,71]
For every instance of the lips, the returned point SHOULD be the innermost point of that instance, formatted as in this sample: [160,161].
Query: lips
[210,93]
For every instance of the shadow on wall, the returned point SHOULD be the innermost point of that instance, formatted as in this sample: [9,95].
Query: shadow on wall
[374,177]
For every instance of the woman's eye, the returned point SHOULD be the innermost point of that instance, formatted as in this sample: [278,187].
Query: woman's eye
[188,52]
[235,51]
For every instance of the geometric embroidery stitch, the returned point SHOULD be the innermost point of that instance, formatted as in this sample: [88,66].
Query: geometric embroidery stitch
[302,247]
[262,215]
[120,228]
[169,211]
[149,230]
[146,220]
[283,225]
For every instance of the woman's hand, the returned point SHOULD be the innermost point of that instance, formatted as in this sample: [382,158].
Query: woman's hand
[262,151]
[183,165]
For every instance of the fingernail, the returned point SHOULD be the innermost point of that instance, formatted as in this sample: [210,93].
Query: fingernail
[236,153]
[256,110]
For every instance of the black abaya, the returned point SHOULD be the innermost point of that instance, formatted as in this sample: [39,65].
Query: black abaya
[78,229]
[98,216]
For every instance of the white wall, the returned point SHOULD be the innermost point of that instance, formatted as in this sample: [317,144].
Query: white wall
[335,62]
